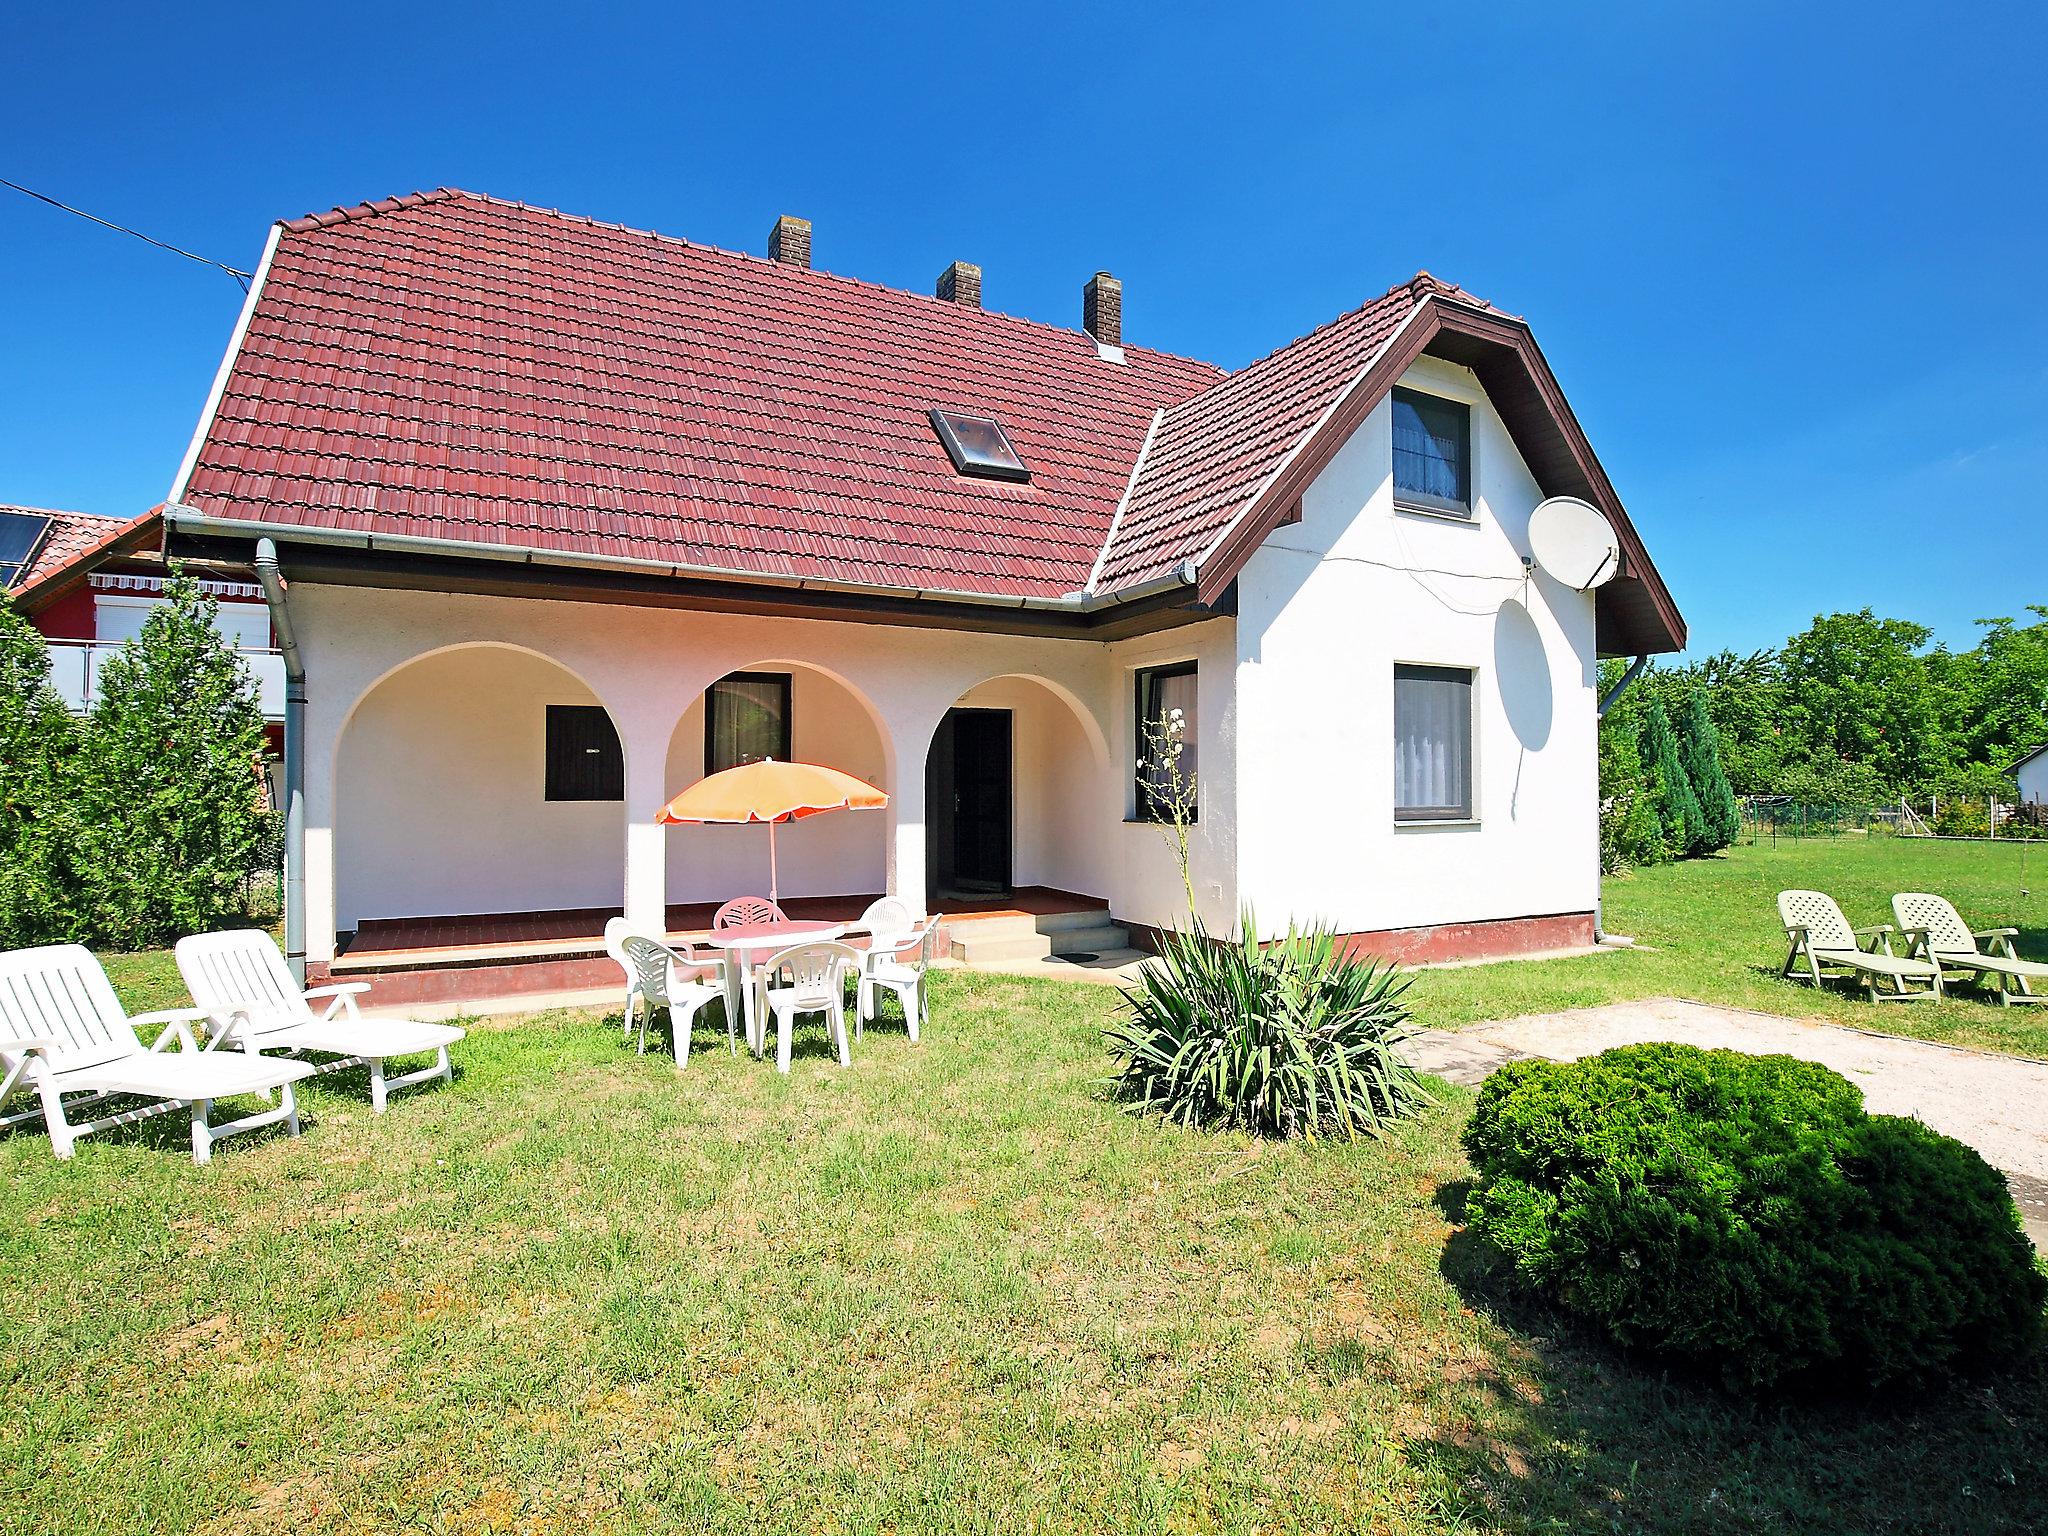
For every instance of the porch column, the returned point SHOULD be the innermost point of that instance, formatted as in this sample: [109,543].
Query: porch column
[906,867]
[646,898]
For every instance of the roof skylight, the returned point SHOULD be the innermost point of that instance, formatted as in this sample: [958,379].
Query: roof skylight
[21,535]
[979,446]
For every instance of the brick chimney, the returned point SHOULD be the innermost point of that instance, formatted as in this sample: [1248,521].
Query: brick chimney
[961,284]
[789,242]
[1102,309]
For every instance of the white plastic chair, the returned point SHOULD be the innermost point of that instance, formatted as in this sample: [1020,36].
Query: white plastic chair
[682,984]
[241,976]
[62,1030]
[812,979]
[745,911]
[888,916]
[897,965]
[615,932]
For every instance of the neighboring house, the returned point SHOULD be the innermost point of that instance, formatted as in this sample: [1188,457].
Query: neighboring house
[89,582]
[2032,773]
[571,513]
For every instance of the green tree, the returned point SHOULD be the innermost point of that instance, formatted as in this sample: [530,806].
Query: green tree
[168,804]
[1995,697]
[37,737]
[1745,699]
[1629,833]
[1699,749]
[1857,689]
[1671,794]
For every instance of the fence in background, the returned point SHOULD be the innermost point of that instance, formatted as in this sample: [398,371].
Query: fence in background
[1772,818]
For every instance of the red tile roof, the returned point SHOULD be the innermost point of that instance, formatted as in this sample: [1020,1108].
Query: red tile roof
[1212,453]
[452,367]
[72,536]
[456,367]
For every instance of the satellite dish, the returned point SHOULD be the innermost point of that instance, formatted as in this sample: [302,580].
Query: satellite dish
[1573,541]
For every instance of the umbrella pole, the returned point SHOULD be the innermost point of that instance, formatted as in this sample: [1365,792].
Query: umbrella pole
[771,861]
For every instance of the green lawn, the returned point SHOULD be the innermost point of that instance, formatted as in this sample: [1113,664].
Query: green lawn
[948,1290]
[1710,931]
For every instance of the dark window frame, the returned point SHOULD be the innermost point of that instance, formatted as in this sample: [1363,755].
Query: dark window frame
[782,753]
[574,734]
[966,461]
[1426,501]
[1141,681]
[1468,809]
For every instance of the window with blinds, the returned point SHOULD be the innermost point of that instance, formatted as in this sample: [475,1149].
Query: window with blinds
[1432,452]
[584,759]
[746,719]
[1165,715]
[1432,743]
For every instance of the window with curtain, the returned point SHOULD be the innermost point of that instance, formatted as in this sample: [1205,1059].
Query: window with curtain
[746,719]
[1432,743]
[584,759]
[1161,692]
[1432,452]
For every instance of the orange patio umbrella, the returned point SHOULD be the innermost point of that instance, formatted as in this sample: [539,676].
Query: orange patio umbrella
[770,791]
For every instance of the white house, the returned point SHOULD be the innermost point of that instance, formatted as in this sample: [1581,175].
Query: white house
[2032,773]
[568,514]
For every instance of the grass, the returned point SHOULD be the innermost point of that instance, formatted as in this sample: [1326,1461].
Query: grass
[950,1290]
[1709,930]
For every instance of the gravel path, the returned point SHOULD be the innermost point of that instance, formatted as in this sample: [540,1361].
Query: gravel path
[1997,1104]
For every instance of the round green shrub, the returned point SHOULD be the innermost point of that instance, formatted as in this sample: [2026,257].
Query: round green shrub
[1744,1216]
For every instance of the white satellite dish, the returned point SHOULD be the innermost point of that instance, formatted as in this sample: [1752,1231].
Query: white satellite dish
[1573,541]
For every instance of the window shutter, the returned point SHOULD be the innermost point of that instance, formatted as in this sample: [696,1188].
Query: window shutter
[584,758]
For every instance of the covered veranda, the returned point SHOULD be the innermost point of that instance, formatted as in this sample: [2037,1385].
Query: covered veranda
[437,842]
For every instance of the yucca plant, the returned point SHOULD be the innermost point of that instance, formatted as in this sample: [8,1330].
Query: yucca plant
[1292,1038]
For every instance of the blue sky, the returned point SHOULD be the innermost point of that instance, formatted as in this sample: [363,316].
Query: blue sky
[1785,261]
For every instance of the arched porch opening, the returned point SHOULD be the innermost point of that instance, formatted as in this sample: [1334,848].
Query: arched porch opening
[803,713]
[1018,794]
[483,779]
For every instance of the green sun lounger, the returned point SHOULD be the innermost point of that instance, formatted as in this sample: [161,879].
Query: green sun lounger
[1823,944]
[1937,932]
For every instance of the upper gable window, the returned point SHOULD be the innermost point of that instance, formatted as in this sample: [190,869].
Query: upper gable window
[1432,453]
[979,446]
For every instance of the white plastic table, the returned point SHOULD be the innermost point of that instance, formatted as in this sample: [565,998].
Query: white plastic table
[750,943]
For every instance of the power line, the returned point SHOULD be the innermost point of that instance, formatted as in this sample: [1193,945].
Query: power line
[43,197]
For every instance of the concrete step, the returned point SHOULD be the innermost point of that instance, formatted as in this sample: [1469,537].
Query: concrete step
[1083,941]
[973,947]
[1064,922]
[1012,937]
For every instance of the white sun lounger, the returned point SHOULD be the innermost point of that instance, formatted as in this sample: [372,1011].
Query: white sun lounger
[241,975]
[63,1031]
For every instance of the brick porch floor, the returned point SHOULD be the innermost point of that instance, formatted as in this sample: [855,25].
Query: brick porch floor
[581,928]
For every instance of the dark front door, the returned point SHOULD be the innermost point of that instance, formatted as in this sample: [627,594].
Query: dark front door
[967,797]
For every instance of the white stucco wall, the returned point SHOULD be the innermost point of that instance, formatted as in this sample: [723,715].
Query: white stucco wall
[1325,610]
[442,776]
[2033,780]
[837,855]
[386,837]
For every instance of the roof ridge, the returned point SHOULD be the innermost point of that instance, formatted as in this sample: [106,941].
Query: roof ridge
[350,212]
[356,211]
